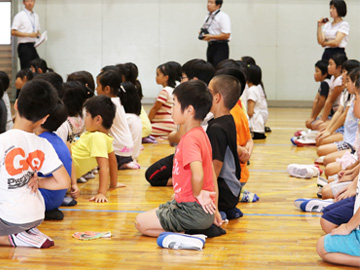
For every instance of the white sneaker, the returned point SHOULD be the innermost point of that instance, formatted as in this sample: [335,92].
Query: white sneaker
[321,181]
[89,175]
[181,241]
[302,171]
[319,160]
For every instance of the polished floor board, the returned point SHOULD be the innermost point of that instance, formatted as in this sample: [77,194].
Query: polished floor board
[272,234]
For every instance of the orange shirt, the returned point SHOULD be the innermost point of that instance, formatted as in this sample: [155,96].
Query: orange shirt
[242,135]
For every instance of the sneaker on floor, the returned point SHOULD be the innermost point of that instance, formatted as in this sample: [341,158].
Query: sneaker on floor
[181,241]
[81,180]
[149,139]
[267,129]
[312,205]
[303,171]
[54,214]
[249,197]
[130,166]
[68,201]
[319,160]
[321,181]
[303,141]
[89,175]
[31,238]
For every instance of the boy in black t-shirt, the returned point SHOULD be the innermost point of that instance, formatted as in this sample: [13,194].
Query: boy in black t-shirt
[321,75]
[222,135]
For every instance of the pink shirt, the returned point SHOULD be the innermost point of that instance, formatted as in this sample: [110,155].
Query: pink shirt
[193,146]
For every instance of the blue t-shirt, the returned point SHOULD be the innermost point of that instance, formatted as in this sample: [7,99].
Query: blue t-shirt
[54,198]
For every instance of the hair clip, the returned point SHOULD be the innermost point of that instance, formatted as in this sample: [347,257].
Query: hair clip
[122,88]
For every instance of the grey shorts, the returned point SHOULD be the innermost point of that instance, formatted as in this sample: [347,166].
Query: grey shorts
[7,228]
[178,217]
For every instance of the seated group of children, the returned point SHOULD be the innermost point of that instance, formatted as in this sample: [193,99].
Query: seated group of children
[336,134]
[55,147]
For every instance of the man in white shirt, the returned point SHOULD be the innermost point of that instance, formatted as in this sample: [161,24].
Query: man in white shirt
[216,31]
[26,26]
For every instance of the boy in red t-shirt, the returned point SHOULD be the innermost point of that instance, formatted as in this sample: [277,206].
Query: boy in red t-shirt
[195,205]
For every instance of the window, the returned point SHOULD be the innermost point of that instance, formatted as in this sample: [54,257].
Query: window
[5,23]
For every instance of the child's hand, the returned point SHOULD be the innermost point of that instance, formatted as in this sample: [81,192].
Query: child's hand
[99,198]
[245,155]
[75,191]
[33,183]
[206,202]
[218,221]
[341,230]
[347,192]
[118,185]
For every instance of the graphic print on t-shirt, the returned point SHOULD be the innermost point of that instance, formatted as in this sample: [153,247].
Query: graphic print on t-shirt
[16,162]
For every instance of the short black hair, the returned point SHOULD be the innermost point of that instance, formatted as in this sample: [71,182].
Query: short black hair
[339,59]
[129,98]
[196,94]
[4,78]
[37,99]
[228,87]
[351,64]
[75,94]
[200,69]
[83,76]
[354,74]
[55,79]
[340,6]
[254,74]
[25,72]
[219,2]
[57,117]
[103,106]
[237,73]
[248,60]
[323,66]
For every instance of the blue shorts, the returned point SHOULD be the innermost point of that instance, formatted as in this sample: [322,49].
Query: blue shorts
[340,130]
[348,244]
[52,198]
[340,212]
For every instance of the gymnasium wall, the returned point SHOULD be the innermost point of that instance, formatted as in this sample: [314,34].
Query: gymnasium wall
[279,34]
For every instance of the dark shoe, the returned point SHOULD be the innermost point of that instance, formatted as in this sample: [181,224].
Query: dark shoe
[54,214]
[267,129]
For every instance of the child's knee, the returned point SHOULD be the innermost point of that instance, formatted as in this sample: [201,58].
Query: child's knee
[139,223]
[327,226]
[327,193]
[328,160]
[320,151]
[320,247]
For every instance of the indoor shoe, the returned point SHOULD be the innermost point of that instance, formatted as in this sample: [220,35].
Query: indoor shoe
[181,241]
[319,160]
[54,214]
[247,196]
[81,180]
[89,175]
[321,181]
[303,171]
[303,141]
[312,205]
[267,129]
[130,166]
[68,201]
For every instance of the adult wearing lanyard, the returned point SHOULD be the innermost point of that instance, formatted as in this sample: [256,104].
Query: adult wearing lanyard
[26,26]
[216,31]
[333,35]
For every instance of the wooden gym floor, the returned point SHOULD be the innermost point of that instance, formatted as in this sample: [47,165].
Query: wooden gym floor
[272,234]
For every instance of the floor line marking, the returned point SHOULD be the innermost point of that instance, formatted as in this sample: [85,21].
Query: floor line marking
[133,211]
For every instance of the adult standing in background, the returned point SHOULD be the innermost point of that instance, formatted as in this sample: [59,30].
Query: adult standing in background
[216,31]
[333,35]
[26,26]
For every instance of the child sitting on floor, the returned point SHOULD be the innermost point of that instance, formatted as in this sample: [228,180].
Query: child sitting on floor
[221,130]
[195,187]
[24,154]
[94,147]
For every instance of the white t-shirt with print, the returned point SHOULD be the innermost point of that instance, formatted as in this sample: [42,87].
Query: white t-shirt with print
[21,153]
